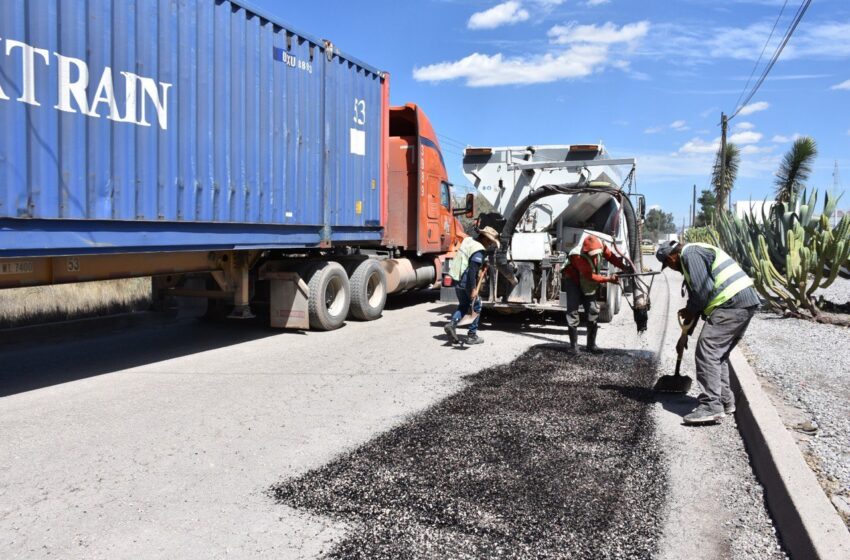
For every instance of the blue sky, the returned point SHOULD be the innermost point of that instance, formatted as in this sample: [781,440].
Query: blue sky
[649,78]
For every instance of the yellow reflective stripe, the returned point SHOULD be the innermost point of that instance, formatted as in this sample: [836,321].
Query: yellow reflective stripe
[726,273]
[721,261]
[728,293]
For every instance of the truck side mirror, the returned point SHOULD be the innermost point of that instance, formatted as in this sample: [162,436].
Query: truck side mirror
[470,205]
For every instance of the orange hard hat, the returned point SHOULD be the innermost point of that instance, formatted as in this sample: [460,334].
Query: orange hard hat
[591,245]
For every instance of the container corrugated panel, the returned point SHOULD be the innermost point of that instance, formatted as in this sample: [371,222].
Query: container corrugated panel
[195,114]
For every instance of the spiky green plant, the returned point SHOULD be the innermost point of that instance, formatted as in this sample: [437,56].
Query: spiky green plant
[789,252]
[795,169]
[723,185]
[705,234]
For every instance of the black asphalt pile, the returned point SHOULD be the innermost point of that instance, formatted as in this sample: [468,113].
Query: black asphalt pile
[551,456]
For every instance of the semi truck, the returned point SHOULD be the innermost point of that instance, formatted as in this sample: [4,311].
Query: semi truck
[221,152]
[546,200]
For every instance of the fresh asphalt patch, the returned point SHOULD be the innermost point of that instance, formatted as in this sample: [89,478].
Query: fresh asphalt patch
[551,456]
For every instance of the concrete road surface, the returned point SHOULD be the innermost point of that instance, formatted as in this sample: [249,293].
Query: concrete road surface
[163,440]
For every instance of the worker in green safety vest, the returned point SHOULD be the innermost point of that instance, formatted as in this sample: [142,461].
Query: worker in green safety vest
[465,270]
[722,293]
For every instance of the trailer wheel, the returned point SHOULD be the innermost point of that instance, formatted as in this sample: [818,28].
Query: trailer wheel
[368,290]
[330,296]
[612,304]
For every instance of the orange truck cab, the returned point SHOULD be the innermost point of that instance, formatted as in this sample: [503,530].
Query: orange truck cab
[420,213]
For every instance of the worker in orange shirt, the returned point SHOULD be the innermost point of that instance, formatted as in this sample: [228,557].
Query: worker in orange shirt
[581,280]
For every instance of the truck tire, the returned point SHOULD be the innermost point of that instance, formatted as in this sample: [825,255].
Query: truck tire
[612,304]
[330,296]
[368,290]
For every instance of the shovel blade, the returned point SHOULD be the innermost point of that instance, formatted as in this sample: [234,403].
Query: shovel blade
[673,384]
[467,319]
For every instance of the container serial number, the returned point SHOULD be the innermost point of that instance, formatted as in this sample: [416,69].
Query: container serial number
[16,267]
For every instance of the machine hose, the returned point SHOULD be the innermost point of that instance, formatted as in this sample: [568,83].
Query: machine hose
[502,263]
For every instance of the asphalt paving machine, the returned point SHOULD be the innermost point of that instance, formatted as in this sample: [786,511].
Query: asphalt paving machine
[545,200]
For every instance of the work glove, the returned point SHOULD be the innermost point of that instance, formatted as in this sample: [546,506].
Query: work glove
[687,315]
[613,279]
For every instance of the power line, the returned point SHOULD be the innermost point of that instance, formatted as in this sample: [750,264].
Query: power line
[793,27]
[764,48]
[450,140]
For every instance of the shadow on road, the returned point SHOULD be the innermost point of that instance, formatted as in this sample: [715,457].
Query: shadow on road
[42,364]
[533,459]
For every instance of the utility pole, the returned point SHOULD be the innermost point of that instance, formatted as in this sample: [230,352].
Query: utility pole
[694,207]
[723,123]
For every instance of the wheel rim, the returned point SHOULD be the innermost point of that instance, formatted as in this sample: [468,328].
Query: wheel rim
[374,290]
[334,296]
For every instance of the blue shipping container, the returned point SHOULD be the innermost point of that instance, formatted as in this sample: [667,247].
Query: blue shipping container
[151,125]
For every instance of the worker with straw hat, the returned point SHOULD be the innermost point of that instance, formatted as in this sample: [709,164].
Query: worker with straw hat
[722,293]
[464,270]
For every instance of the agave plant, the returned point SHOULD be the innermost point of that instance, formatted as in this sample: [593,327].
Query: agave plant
[790,252]
[795,169]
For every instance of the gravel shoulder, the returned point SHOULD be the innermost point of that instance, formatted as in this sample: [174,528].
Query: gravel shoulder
[805,368]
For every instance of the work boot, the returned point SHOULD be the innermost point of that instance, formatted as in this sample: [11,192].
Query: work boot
[703,415]
[473,339]
[592,328]
[573,339]
[452,332]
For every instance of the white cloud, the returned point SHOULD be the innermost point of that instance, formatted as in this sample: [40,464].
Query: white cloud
[753,149]
[506,13]
[708,112]
[843,85]
[746,137]
[653,130]
[480,70]
[780,139]
[754,108]
[814,40]
[848,133]
[587,50]
[606,34]
[700,146]
[744,125]
[679,125]
[597,2]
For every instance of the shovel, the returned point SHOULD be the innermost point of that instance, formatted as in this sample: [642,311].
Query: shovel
[678,383]
[472,315]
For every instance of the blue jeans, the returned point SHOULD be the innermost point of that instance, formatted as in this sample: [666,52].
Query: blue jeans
[464,303]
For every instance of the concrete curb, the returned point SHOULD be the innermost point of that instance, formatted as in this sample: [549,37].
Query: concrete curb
[809,526]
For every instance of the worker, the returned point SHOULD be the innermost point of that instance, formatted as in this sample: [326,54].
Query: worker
[722,293]
[464,270]
[581,284]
